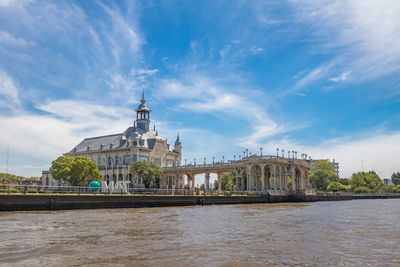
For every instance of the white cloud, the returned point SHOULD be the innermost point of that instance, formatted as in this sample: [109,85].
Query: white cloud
[203,94]
[342,77]
[365,34]
[8,39]
[256,50]
[8,91]
[311,77]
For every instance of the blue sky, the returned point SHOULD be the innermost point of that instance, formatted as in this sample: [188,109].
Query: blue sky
[318,77]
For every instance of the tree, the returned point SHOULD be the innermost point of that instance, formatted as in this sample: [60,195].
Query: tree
[322,175]
[344,181]
[77,171]
[369,180]
[150,172]
[396,178]
[228,181]
[335,187]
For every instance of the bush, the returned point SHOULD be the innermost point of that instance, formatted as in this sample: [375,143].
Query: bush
[31,190]
[361,189]
[336,187]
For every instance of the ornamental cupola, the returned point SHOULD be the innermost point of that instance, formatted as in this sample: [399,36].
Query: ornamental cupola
[143,115]
[178,144]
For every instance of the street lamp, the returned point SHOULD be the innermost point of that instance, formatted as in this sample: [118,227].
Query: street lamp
[213,160]
[277,152]
[261,151]
[283,153]
[247,152]
[234,157]
[204,161]
[223,158]
[185,161]
[194,160]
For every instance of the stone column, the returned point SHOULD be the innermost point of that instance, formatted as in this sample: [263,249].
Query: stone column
[219,182]
[237,180]
[262,179]
[242,183]
[293,179]
[207,181]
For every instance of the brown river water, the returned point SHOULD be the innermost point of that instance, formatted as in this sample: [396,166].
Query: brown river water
[344,233]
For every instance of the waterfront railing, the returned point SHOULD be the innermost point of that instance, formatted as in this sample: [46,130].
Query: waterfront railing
[80,190]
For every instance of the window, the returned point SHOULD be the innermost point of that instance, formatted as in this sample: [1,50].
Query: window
[157,161]
[143,158]
[170,163]
[127,160]
[134,158]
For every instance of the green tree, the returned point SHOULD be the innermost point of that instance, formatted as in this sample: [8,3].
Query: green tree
[335,187]
[150,172]
[77,171]
[322,174]
[344,181]
[369,180]
[228,181]
[396,178]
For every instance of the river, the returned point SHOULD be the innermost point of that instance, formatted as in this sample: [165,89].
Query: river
[344,233]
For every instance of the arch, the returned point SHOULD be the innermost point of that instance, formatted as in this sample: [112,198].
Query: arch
[120,177]
[268,171]
[114,178]
[47,180]
[255,177]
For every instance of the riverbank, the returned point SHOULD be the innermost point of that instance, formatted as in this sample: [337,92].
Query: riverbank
[67,202]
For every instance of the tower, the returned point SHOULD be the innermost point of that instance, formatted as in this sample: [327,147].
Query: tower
[178,149]
[143,115]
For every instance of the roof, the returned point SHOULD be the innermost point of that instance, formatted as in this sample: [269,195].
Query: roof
[118,141]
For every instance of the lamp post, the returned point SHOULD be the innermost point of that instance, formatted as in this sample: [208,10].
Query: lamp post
[247,152]
[234,157]
[204,161]
[261,151]
[283,153]
[223,159]
[213,160]
[277,152]
[194,160]
[185,162]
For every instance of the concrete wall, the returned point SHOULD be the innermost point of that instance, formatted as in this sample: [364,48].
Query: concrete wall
[64,202]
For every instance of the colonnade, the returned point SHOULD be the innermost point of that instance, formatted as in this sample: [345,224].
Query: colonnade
[258,174]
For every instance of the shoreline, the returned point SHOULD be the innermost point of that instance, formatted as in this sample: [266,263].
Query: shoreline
[71,202]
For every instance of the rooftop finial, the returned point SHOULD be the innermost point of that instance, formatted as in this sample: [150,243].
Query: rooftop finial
[142,95]
[154,128]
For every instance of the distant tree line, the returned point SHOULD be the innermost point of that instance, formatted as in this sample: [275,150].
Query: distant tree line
[323,177]
[8,177]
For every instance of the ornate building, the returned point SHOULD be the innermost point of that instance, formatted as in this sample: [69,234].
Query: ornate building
[114,153]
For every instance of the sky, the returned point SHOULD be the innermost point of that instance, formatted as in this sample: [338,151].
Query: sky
[317,77]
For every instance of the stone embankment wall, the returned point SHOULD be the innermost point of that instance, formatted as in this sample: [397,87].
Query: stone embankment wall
[65,202]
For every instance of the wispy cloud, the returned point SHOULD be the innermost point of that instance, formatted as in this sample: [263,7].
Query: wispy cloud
[311,77]
[342,77]
[364,34]
[8,92]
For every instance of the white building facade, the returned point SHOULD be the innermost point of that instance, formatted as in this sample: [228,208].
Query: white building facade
[114,153]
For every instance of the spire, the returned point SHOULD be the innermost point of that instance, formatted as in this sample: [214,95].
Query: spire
[178,141]
[142,96]
[154,128]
